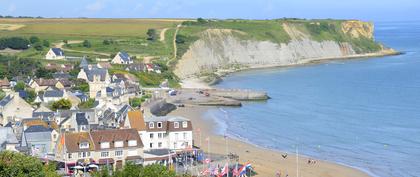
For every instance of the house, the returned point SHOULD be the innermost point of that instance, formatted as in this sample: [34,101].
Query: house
[54,95]
[14,108]
[82,122]
[97,78]
[136,67]
[39,140]
[77,120]
[104,147]
[55,54]
[42,84]
[8,140]
[5,84]
[135,120]
[122,58]
[167,132]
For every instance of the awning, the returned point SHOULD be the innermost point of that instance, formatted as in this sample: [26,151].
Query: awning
[105,161]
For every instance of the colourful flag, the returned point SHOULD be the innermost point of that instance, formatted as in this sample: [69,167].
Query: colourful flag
[205,172]
[235,170]
[225,170]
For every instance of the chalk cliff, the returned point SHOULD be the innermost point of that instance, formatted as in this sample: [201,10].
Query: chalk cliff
[221,50]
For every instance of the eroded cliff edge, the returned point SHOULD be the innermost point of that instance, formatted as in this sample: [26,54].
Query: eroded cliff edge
[218,50]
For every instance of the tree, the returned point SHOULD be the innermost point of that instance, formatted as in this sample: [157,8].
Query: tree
[46,43]
[44,73]
[65,41]
[135,102]
[201,21]
[180,39]
[61,104]
[17,43]
[34,39]
[90,103]
[151,34]
[86,44]
[19,86]
[18,164]
[31,95]
[38,46]
[82,85]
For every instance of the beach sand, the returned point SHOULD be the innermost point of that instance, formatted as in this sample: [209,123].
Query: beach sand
[265,162]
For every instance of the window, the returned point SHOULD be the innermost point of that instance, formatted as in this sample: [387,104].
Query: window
[132,143]
[105,154]
[104,145]
[176,136]
[118,153]
[160,144]
[84,154]
[151,145]
[151,125]
[84,145]
[119,144]
[151,135]
[69,155]
[175,145]
[160,135]
[159,125]
[176,124]
[185,135]
[184,124]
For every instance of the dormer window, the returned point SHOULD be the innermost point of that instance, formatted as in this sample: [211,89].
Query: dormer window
[159,125]
[132,143]
[176,124]
[184,124]
[119,144]
[151,125]
[104,145]
[84,145]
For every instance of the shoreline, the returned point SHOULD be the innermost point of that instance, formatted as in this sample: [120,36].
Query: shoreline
[197,82]
[265,161]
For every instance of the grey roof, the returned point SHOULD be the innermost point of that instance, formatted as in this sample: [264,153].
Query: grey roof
[84,63]
[6,100]
[81,118]
[53,93]
[165,118]
[43,115]
[61,75]
[38,128]
[101,72]
[58,51]
[158,152]
[124,56]
[136,67]
[7,136]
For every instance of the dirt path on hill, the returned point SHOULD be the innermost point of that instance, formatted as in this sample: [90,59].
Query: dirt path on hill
[162,34]
[61,44]
[174,44]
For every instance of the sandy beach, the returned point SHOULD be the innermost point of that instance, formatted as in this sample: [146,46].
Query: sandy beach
[265,162]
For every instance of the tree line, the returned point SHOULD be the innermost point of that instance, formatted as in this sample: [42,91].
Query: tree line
[20,43]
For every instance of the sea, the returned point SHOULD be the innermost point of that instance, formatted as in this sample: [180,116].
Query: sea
[363,113]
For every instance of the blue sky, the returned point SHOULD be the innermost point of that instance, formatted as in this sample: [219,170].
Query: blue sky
[371,10]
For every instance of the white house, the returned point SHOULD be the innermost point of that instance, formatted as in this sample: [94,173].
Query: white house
[122,58]
[55,54]
[54,95]
[14,108]
[167,132]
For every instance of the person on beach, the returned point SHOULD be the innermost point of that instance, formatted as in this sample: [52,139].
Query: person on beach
[278,174]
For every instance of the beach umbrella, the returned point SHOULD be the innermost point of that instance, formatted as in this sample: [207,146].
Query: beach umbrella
[93,166]
[78,167]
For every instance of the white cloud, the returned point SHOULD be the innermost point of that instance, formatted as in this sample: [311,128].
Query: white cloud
[96,6]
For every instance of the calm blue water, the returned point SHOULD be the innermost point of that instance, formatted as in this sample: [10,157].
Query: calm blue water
[363,113]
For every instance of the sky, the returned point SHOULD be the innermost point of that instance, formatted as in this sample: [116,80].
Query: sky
[369,10]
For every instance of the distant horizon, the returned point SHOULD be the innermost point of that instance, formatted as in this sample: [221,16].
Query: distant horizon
[174,18]
[374,11]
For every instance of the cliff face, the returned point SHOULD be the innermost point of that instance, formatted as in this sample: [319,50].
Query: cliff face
[221,50]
